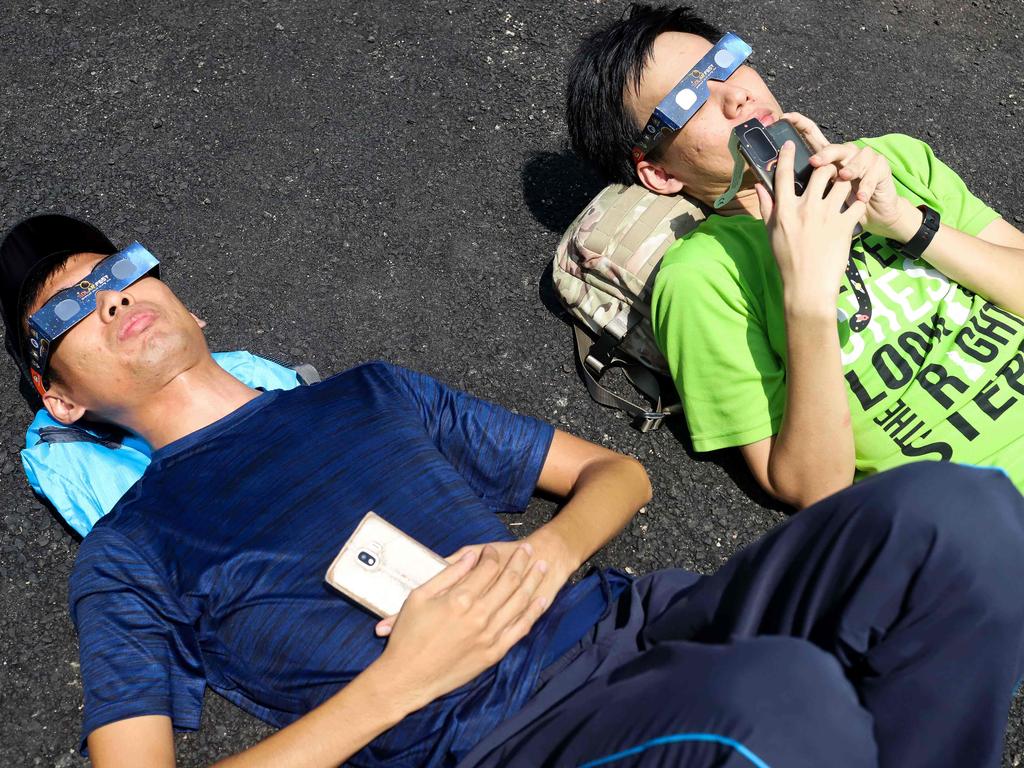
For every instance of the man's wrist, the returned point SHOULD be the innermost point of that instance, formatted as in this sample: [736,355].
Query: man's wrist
[549,545]
[389,695]
[908,223]
[809,307]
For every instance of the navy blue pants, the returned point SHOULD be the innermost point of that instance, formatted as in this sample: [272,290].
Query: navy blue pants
[881,627]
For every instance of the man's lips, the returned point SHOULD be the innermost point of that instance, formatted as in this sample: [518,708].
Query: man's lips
[135,323]
[766,116]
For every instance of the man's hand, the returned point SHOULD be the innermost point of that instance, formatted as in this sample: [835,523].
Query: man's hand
[558,564]
[542,546]
[886,214]
[463,621]
[809,235]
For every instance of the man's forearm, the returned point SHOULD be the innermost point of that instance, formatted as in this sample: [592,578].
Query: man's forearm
[813,453]
[990,270]
[330,734]
[604,498]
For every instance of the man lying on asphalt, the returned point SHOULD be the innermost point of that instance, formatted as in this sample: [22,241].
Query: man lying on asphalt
[928,360]
[829,642]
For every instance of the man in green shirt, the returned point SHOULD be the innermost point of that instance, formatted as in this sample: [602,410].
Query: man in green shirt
[753,309]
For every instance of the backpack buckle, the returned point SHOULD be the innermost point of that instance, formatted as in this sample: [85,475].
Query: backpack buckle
[649,420]
[596,365]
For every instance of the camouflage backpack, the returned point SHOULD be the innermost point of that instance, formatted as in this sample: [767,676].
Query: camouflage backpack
[603,271]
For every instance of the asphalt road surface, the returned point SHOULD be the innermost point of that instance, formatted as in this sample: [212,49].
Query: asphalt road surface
[336,182]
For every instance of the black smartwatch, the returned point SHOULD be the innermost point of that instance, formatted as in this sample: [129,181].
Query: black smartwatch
[918,244]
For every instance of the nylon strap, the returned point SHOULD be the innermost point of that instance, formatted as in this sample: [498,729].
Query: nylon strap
[71,434]
[307,373]
[739,165]
[595,358]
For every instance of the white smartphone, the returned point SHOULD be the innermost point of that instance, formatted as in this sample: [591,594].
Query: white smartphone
[380,565]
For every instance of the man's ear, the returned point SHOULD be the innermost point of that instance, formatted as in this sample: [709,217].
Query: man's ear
[61,407]
[199,321]
[657,179]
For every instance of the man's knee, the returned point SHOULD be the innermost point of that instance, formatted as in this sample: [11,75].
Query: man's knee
[787,696]
[970,521]
[971,505]
[779,676]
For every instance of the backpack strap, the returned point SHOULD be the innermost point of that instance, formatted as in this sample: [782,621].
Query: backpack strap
[596,357]
[307,373]
[73,434]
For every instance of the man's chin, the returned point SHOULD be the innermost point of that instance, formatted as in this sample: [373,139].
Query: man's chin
[161,357]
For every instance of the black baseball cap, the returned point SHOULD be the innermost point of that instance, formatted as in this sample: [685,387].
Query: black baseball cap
[31,248]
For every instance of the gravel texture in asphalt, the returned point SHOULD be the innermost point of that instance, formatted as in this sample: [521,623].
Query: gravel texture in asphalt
[336,182]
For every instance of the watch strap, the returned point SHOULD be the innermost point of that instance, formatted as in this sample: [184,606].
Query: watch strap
[919,243]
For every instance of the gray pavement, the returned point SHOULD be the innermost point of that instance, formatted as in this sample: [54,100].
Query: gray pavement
[336,182]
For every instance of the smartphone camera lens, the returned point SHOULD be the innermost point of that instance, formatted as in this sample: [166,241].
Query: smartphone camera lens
[761,146]
[367,559]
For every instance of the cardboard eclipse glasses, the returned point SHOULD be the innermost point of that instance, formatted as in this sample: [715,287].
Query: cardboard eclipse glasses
[70,306]
[691,93]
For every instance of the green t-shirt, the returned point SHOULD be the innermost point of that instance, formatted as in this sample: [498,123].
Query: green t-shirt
[937,374]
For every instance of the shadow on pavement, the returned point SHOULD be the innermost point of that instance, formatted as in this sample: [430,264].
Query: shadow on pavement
[556,187]
[732,463]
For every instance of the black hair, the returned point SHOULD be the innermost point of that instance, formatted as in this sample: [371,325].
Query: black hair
[602,129]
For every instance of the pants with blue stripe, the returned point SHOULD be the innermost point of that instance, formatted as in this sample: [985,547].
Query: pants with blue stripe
[884,626]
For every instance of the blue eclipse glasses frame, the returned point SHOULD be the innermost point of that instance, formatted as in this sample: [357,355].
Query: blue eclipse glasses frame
[70,306]
[691,93]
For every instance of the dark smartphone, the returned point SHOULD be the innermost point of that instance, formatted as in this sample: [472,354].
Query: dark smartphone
[760,144]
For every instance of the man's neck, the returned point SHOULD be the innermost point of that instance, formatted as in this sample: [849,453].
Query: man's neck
[744,203]
[193,399]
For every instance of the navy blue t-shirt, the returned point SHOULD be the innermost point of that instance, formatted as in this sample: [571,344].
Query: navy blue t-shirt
[210,571]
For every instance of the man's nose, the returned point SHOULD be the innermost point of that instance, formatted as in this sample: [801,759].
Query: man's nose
[733,98]
[108,303]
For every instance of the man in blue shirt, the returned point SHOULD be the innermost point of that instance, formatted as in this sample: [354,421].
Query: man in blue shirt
[820,644]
